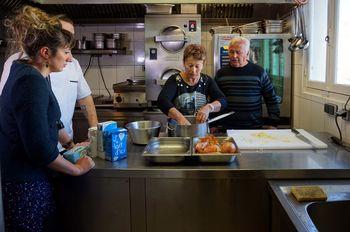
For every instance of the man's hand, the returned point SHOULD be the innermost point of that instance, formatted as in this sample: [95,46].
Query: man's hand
[269,127]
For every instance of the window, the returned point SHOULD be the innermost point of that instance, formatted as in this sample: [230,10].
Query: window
[342,75]
[328,65]
[318,44]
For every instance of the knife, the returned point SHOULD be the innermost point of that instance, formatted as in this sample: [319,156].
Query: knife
[303,138]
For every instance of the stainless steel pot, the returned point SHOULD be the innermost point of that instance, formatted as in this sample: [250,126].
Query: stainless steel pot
[99,39]
[193,130]
[110,43]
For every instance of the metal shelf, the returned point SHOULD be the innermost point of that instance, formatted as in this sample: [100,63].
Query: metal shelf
[100,51]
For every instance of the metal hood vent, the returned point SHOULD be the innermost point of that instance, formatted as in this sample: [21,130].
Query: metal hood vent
[111,13]
[226,10]
[7,6]
[99,13]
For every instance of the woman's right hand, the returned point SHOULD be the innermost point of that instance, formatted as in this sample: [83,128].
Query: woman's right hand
[84,164]
[178,116]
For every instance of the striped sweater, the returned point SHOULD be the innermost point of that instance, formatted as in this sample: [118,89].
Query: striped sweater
[244,88]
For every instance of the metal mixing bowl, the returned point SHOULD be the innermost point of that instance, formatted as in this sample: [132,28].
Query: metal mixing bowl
[142,131]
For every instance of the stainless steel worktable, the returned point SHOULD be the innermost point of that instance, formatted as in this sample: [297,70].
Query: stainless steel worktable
[270,164]
[136,196]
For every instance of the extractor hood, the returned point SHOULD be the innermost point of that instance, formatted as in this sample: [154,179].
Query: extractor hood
[113,11]
[159,1]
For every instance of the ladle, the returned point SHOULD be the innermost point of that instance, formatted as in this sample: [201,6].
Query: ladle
[297,40]
[295,36]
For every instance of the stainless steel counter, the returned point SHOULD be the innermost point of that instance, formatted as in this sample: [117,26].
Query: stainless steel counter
[133,195]
[333,162]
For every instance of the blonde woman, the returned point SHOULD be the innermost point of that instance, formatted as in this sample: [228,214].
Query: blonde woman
[29,123]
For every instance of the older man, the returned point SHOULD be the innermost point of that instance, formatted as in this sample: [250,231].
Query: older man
[245,84]
[68,86]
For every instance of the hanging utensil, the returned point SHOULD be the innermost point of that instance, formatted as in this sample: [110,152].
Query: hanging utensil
[305,43]
[295,40]
[295,20]
[299,39]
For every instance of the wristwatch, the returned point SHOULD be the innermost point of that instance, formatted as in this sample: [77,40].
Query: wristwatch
[68,145]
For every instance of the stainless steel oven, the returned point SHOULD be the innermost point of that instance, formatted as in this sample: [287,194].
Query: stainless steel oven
[166,36]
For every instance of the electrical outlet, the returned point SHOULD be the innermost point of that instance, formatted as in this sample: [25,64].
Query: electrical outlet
[346,117]
[330,108]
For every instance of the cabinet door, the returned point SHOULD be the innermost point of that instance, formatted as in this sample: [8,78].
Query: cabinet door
[206,205]
[94,204]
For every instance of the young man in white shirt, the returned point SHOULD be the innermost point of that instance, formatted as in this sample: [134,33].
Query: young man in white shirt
[68,86]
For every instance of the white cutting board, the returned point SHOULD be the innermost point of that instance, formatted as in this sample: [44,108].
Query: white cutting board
[273,139]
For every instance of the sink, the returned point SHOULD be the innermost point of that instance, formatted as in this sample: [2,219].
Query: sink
[330,216]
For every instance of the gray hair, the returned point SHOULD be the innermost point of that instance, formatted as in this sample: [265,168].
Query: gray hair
[241,40]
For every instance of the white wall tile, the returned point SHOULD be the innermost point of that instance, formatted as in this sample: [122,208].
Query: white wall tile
[127,29]
[346,131]
[125,60]
[107,28]
[203,37]
[297,79]
[139,51]
[125,72]
[110,76]
[92,77]
[106,60]
[95,91]
[88,31]
[105,93]
[296,112]
[317,117]
[330,126]
[209,71]
[84,59]
[78,32]
[139,71]
[139,27]
[81,59]
[139,35]
[305,113]
[209,50]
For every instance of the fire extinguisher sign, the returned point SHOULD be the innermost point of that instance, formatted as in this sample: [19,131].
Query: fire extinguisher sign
[192,25]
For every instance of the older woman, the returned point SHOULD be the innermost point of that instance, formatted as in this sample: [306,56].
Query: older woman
[191,92]
[29,123]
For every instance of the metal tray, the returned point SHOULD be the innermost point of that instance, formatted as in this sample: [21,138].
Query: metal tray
[167,149]
[216,157]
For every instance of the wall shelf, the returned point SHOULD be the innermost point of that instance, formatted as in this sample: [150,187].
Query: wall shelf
[99,51]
